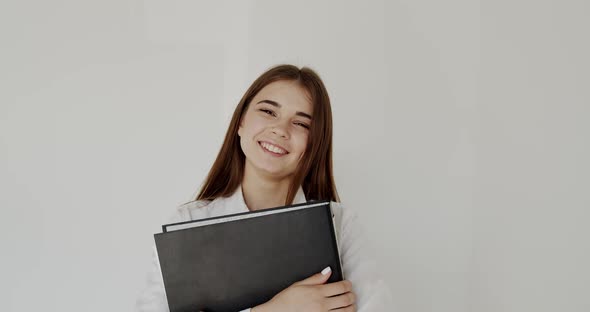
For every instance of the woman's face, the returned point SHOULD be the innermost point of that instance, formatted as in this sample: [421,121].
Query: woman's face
[274,131]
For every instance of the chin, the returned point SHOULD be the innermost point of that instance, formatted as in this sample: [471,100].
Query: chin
[274,172]
[269,169]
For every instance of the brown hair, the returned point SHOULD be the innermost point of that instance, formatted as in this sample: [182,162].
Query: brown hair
[314,171]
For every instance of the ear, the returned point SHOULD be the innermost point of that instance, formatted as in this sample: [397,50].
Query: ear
[240,126]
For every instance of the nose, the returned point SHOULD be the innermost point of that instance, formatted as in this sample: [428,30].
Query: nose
[280,129]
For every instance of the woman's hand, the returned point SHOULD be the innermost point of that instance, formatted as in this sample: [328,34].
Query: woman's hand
[312,295]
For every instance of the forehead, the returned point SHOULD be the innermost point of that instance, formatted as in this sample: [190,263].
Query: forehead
[287,93]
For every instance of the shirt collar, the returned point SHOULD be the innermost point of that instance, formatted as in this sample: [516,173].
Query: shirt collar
[236,200]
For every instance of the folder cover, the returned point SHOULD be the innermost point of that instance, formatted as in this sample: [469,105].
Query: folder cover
[238,261]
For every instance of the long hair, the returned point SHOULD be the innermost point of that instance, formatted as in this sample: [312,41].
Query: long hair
[314,170]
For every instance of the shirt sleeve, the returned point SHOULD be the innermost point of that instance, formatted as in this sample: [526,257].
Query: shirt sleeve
[153,295]
[361,267]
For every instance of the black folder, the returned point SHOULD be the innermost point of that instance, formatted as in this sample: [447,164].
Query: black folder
[238,261]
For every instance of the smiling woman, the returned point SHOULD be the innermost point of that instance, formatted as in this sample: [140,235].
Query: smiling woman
[278,151]
[289,110]
[274,133]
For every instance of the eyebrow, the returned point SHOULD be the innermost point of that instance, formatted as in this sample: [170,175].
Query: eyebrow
[273,103]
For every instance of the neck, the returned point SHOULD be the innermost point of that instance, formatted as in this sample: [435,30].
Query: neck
[262,192]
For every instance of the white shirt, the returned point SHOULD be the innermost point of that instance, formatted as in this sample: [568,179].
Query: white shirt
[358,265]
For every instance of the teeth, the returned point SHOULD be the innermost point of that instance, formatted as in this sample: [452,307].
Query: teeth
[273,148]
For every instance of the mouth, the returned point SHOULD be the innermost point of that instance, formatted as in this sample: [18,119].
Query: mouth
[272,149]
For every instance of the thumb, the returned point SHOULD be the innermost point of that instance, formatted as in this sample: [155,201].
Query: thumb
[318,278]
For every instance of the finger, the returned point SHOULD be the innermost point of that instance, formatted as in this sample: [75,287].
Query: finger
[341,301]
[336,288]
[318,278]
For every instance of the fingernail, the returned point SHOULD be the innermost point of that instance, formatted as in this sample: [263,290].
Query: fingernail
[326,271]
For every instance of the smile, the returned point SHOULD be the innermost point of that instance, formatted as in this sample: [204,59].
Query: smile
[272,149]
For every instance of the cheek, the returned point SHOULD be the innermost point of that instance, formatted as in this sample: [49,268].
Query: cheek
[251,128]
[301,143]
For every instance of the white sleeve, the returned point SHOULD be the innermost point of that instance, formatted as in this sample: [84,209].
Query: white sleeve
[153,295]
[360,266]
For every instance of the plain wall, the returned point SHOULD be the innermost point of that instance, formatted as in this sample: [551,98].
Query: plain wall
[460,137]
[531,210]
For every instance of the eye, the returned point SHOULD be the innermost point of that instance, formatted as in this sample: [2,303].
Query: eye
[302,125]
[267,111]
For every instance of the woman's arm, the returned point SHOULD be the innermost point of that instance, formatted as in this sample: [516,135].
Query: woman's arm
[153,295]
[360,266]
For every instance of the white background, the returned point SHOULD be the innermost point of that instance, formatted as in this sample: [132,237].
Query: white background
[461,138]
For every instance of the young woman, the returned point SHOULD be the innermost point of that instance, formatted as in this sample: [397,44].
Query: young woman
[278,151]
